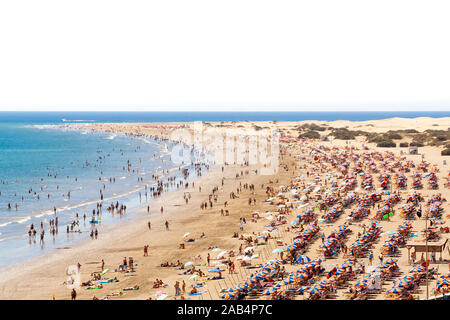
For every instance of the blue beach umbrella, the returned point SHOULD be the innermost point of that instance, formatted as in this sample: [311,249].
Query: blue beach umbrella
[396,290]
[314,290]
[302,276]
[266,292]
[303,259]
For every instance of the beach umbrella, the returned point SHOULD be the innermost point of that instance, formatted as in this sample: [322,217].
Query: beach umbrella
[396,290]
[407,277]
[274,261]
[189,263]
[391,261]
[228,295]
[266,292]
[348,263]
[300,290]
[278,285]
[215,270]
[303,259]
[313,290]
[360,283]
[301,276]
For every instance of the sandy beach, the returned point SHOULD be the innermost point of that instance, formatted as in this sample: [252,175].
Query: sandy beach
[44,277]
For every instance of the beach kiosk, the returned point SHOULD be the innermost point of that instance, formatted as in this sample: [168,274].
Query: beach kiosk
[432,247]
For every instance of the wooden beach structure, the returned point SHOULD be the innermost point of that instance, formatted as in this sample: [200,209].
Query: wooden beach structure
[432,247]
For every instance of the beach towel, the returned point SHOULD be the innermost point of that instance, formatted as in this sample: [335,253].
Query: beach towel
[197,293]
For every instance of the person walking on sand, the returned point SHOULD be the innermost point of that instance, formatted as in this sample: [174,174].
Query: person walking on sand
[73,294]
[146,251]
[149,225]
[167,225]
[103,264]
[208,258]
[162,210]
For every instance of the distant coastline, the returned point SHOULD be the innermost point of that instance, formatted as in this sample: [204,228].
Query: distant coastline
[139,117]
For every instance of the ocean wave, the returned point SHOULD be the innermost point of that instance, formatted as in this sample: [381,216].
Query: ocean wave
[68,120]
[25,219]
[42,126]
[5,224]
[111,137]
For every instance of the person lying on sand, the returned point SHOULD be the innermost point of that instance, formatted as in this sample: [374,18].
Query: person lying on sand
[87,284]
[158,283]
[136,287]
[193,291]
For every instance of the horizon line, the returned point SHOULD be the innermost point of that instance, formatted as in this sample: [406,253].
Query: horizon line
[224,111]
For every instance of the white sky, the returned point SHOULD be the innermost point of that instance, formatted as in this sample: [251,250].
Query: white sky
[224,55]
